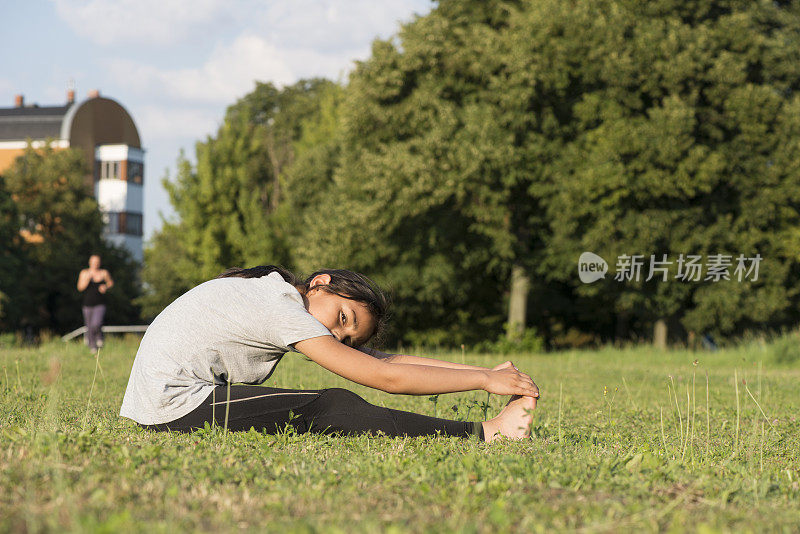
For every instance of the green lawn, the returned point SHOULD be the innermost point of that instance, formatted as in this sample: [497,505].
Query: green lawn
[600,459]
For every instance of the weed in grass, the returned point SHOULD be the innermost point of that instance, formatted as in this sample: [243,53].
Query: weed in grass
[609,403]
[686,440]
[485,406]
[560,394]
[91,389]
[630,397]
[677,408]
[694,411]
[736,385]
[757,405]
[227,409]
[663,436]
[708,419]
[435,400]
[758,374]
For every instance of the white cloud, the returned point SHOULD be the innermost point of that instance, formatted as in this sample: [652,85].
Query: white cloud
[226,74]
[335,26]
[159,22]
[177,64]
[279,42]
[160,122]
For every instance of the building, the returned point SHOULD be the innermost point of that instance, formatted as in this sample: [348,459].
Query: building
[106,134]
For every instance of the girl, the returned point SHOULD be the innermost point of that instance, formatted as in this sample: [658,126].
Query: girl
[235,329]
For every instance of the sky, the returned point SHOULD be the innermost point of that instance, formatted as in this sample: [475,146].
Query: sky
[176,65]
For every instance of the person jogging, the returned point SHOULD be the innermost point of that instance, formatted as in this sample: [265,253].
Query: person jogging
[94,282]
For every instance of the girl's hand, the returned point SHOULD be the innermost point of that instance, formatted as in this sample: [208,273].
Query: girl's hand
[505,379]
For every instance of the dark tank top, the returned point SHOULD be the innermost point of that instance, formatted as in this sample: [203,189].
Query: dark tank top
[92,295]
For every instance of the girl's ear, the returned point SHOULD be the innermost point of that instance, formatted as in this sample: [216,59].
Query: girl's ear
[320,280]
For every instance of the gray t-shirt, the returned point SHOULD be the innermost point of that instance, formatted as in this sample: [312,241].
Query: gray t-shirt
[226,329]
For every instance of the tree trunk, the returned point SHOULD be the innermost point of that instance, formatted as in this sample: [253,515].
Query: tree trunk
[518,303]
[660,334]
[621,331]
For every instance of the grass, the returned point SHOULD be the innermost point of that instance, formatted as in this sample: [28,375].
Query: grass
[630,439]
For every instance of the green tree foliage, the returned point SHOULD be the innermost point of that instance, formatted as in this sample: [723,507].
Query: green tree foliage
[167,269]
[232,205]
[489,143]
[11,253]
[53,226]
[489,135]
[316,156]
[684,123]
[432,192]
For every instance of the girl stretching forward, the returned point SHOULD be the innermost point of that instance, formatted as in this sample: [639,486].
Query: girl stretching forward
[236,328]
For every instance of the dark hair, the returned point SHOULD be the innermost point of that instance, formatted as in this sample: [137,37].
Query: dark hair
[344,283]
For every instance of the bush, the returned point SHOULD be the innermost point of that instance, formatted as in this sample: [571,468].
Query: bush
[8,340]
[529,341]
[786,349]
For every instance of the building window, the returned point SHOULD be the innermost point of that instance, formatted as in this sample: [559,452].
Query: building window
[123,222]
[109,170]
[135,172]
[133,224]
[111,221]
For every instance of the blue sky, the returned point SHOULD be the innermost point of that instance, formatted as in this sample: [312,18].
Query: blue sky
[177,64]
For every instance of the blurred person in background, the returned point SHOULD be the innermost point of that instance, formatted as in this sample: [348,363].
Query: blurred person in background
[94,282]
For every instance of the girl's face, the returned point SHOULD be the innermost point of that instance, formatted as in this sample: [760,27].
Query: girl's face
[348,320]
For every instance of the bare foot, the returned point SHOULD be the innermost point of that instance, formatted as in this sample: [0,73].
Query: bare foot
[513,421]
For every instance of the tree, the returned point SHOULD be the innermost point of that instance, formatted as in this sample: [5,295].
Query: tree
[57,225]
[12,260]
[231,207]
[684,118]
[474,156]
[432,194]
[167,269]
[316,156]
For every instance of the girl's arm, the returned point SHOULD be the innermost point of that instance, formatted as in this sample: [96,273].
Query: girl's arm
[409,378]
[418,360]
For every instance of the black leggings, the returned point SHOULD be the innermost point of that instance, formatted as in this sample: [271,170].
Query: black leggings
[324,411]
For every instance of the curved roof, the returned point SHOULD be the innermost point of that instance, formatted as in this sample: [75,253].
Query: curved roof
[92,122]
[99,121]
